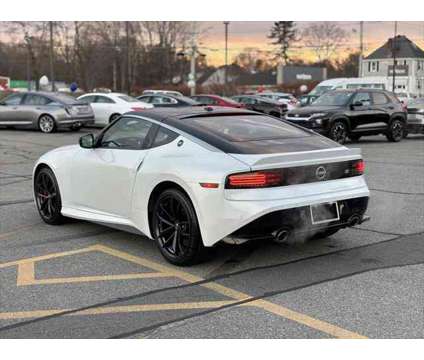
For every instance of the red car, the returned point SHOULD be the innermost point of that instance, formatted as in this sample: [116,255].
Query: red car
[216,100]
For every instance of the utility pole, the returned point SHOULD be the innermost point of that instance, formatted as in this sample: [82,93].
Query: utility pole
[361,46]
[28,62]
[51,56]
[394,58]
[127,33]
[226,23]
[192,76]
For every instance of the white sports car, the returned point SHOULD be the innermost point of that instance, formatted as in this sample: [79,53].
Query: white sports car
[191,177]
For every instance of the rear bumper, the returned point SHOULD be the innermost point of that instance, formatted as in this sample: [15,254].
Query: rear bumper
[298,221]
[415,123]
[224,212]
[87,120]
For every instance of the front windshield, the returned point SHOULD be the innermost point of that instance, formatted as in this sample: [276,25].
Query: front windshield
[333,99]
[320,89]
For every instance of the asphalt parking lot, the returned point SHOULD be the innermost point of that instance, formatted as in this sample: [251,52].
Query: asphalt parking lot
[83,280]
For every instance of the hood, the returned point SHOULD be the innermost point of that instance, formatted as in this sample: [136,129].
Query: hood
[309,110]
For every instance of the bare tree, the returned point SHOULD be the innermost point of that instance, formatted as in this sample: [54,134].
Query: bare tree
[324,39]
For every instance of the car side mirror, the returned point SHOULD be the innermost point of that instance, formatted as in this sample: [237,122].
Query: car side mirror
[356,104]
[87,141]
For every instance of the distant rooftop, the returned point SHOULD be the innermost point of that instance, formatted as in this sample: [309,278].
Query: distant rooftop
[405,48]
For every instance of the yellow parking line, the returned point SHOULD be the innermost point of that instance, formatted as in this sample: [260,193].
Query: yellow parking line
[82,279]
[279,310]
[116,309]
[26,276]
[45,257]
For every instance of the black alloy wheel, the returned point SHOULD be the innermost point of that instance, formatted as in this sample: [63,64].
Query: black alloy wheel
[396,130]
[175,228]
[338,132]
[47,197]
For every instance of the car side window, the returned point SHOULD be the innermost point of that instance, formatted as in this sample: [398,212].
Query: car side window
[127,133]
[247,101]
[104,100]
[13,100]
[362,97]
[88,99]
[380,98]
[163,100]
[164,136]
[146,99]
[36,100]
[206,100]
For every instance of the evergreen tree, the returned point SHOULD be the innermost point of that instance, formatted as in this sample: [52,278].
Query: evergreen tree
[284,34]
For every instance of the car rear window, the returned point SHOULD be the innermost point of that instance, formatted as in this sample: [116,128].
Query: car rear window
[66,99]
[242,128]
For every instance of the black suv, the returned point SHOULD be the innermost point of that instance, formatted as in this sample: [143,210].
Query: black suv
[340,114]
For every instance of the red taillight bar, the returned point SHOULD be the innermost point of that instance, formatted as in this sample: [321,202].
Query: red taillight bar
[359,167]
[257,179]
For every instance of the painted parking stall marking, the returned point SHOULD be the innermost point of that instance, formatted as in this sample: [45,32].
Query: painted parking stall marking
[26,276]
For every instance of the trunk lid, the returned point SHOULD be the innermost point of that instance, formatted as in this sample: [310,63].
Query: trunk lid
[298,155]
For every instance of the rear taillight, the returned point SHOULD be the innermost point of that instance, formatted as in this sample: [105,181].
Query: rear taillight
[257,179]
[137,108]
[358,167]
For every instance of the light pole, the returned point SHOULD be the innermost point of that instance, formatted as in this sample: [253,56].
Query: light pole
[226,23]
[28,62]
[394,58]
[51,56]
[361,46]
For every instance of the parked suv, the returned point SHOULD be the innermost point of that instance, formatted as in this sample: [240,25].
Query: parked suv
[340,114]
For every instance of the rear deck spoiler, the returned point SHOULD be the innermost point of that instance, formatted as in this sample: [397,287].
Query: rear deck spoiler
[299,158]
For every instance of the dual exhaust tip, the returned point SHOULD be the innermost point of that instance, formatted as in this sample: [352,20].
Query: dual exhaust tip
[282,235]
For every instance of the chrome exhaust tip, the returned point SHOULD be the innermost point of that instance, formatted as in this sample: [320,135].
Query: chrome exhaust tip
[281,235]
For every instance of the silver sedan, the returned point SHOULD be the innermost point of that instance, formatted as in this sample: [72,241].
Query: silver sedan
[44,111]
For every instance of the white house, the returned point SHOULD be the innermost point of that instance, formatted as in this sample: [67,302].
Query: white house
[409,65]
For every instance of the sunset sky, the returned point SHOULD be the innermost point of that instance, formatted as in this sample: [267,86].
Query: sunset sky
[244,34]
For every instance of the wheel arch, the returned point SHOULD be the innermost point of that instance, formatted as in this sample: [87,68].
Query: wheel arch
[112,115]
[157,190]
[399,116]
[342,118]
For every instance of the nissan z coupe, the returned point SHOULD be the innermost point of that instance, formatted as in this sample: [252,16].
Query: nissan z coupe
[191,177]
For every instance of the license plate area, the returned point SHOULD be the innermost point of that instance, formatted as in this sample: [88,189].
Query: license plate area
[324,213]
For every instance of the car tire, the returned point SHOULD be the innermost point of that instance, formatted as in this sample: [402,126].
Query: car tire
[176,229]
[338,132]
[47,197]
[396,130]
[76,128]
[354,137]
[113,117]
[46,124]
